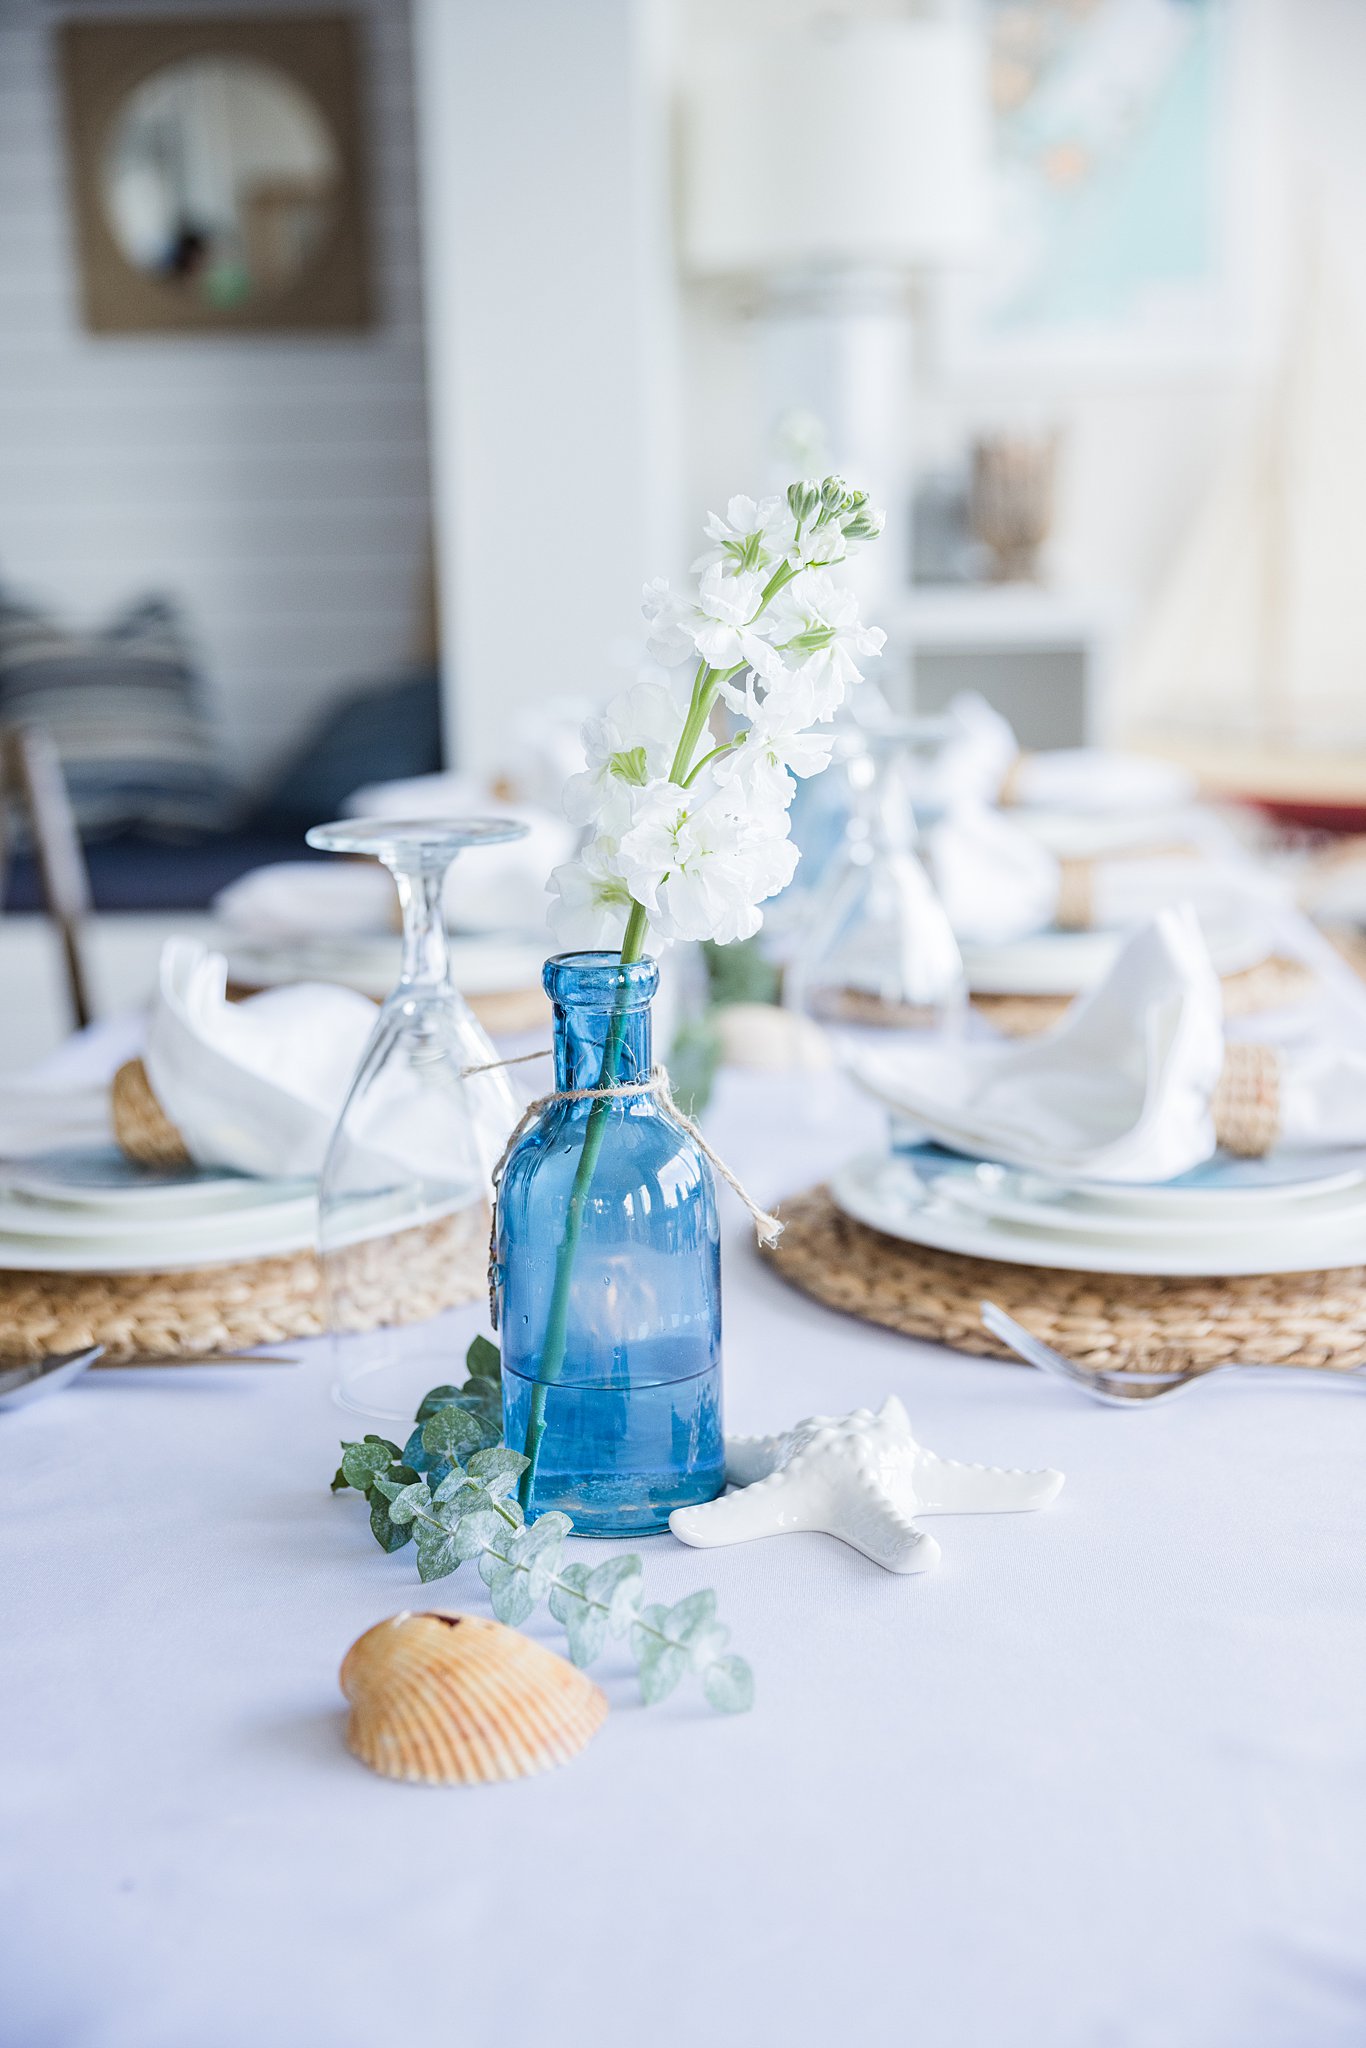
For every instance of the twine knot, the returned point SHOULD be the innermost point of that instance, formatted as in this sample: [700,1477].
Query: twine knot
[768,1227]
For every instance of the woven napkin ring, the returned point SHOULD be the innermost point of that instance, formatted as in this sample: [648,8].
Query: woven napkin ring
[1246,1103]
[1009,791]
[1076,895]
[768,1228]
[141,1126]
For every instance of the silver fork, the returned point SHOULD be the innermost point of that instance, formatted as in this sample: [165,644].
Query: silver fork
[1140,1390]
[22,1381]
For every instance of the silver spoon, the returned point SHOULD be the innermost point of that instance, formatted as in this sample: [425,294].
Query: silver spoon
[27,1379]
[1139,1390]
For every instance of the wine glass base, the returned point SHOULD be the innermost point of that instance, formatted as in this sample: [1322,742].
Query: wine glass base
[388,1390]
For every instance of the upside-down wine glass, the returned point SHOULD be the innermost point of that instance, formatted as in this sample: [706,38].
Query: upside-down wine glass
[878,952]
[403,1202]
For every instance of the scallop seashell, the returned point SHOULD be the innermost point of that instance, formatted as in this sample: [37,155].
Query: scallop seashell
[451,1699]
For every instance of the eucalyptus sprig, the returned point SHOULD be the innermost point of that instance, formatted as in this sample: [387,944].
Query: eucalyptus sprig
[450,1491]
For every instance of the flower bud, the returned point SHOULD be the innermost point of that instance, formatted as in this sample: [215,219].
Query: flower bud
[802,500]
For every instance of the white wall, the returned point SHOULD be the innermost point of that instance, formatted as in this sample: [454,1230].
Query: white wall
[550,287]
[277,486]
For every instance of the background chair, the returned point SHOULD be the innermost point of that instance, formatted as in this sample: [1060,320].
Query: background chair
[31,776]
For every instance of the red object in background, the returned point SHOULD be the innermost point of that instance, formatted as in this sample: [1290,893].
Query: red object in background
[1309,816]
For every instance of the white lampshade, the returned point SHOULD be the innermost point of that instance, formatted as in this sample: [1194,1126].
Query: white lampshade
[846,145]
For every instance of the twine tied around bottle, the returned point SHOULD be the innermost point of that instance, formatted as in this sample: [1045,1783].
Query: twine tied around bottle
[768,1228]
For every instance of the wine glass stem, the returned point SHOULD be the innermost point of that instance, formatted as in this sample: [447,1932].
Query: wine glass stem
[425,957]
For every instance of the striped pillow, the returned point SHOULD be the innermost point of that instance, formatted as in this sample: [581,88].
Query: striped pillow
[124,707]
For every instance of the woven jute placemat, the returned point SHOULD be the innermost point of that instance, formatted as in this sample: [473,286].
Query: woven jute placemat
[1115,1321]
[167,1316]
[1271,985]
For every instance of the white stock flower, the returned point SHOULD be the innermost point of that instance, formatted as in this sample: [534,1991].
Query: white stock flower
[667,614]
[720,625]
[724,628]
[701,860]
[817,628]
[829,521]
[631,742]
[778,742]
[750,536]
[591,900]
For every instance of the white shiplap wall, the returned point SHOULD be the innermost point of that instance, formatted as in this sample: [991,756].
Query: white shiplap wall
[276,486]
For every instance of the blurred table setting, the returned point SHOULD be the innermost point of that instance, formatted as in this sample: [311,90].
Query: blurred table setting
[280,1196]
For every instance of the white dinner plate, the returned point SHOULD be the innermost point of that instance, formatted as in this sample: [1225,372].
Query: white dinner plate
[884,1192]
[1227,1185]
[209,1241]
[1013,1197]
[22,1217]
[101,1179]
[1056,963]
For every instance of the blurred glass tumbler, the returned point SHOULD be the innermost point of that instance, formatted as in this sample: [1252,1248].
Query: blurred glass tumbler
[407,1181]
[878,951]
[608,1276]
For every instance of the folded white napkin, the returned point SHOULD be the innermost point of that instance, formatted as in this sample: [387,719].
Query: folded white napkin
[979,750]
[994,881]
[310,899]
[258,1085]
[998,883]
[1119,1091]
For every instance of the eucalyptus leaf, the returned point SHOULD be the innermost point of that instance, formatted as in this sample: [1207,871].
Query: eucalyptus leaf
[460,1491]
[389,1534]
[543,1536]
[362,1463]
[618,1584]
[585,1629]
[661,1663]
[475,1533]
[510,1594]
[728,1685]
[436,1398]
[454,1432]
[438,1553]
[569,1590]
[408,1502]
[498,1469]
[416,1454]
[482,1360]
[706,1644]
[690,1617]
[537,1550]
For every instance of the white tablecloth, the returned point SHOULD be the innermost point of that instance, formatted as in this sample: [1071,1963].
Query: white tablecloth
[1099,1781]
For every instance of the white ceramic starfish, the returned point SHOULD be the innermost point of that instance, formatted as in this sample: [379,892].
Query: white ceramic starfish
[861,1477]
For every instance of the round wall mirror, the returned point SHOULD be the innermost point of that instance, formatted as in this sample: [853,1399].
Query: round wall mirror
[220,179]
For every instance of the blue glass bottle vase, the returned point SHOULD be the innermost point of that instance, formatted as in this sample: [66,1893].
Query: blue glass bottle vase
[608,1276]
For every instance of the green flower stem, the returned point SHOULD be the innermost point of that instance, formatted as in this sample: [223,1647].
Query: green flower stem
[727,747]
[554,1344]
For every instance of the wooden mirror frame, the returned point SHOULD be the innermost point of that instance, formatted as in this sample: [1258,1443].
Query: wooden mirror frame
[102,62]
